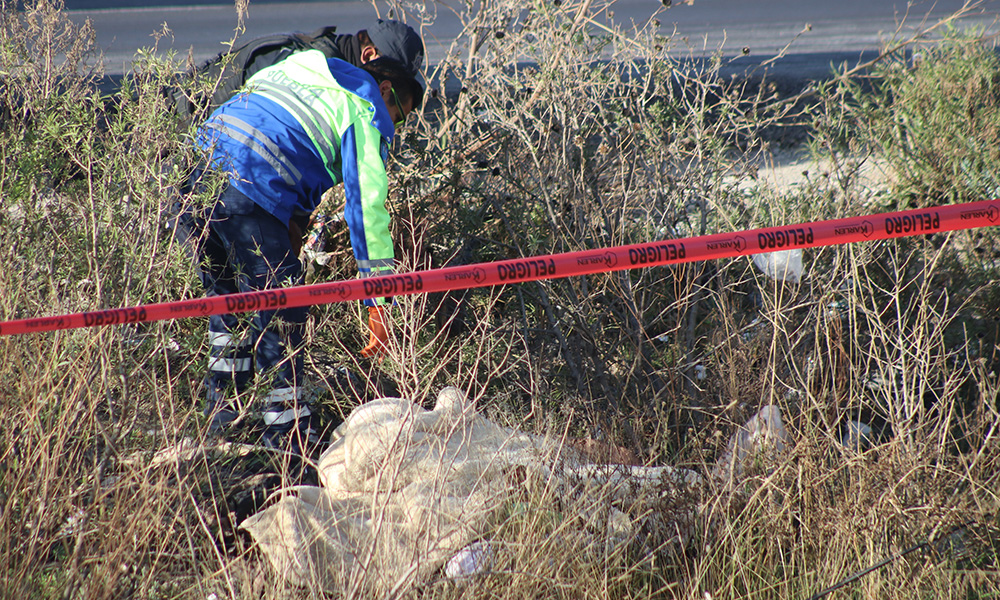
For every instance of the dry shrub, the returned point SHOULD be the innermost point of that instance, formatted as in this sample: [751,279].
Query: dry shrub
[555,129]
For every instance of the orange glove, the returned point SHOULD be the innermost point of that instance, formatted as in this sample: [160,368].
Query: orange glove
[379,335]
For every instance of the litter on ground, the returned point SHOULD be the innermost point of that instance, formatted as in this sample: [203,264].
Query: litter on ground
[407,495]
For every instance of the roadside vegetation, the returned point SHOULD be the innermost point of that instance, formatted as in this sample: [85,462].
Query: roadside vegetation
[553,129]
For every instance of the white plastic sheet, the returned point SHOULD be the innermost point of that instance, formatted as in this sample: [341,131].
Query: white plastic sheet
[407,494]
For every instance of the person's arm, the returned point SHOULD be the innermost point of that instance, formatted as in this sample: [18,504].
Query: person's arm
[366,186]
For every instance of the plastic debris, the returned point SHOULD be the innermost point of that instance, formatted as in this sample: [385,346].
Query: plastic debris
[406,494]
[405,491]
[784,265]
[316,240]
[474,559]
[763,434]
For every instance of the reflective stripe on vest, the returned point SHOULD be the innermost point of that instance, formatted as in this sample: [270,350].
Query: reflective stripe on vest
[376,264]
[311,120]
[249,136]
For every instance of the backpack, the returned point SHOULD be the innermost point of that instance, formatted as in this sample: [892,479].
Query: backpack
[228,71]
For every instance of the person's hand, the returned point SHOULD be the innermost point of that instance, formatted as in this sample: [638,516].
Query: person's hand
[379,334]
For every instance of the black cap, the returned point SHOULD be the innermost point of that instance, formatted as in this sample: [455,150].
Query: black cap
[398,41]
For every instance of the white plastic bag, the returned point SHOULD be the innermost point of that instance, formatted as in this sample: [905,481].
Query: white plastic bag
[784,265]
[474,559]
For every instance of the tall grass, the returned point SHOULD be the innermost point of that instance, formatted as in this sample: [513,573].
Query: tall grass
[569,132]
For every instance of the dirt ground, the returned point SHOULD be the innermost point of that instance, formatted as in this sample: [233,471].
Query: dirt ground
[787,168]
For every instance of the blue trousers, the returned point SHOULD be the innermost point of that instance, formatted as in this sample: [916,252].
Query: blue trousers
[248,249]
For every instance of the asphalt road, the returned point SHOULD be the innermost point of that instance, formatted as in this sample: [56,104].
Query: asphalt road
[818,31]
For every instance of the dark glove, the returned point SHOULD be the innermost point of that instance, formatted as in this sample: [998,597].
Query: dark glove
[295,237]
[379,334]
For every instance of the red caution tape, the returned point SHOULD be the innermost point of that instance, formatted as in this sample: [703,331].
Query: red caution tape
[722,245]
